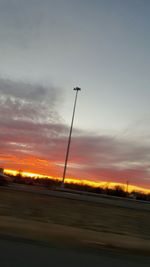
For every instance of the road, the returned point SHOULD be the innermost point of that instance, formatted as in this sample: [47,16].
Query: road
[15,253]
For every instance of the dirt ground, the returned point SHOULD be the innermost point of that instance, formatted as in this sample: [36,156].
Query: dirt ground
[44,216]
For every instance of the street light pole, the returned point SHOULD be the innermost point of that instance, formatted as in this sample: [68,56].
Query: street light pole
[77,89]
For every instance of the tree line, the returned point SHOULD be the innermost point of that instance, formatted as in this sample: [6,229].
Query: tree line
[50,183]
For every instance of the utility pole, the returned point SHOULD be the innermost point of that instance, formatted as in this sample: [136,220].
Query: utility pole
[77,89]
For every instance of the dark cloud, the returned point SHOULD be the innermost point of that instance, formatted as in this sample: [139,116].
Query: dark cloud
[21,102]
[26,91]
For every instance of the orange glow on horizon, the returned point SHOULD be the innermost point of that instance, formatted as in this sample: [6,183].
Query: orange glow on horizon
[26,174]
[102,184]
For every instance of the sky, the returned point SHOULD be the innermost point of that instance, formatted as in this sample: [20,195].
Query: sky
[49,47]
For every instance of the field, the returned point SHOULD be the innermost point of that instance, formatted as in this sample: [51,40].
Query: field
[46,218]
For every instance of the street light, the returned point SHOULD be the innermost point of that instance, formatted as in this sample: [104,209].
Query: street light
[77,89]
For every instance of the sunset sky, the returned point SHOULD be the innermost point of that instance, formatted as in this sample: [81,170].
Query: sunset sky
[48,47]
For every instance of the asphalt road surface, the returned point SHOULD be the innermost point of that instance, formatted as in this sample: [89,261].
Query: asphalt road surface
[23,254]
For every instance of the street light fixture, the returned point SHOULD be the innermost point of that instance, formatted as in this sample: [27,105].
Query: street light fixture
[77,89]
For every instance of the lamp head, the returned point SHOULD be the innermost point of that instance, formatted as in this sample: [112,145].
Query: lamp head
[77,89]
